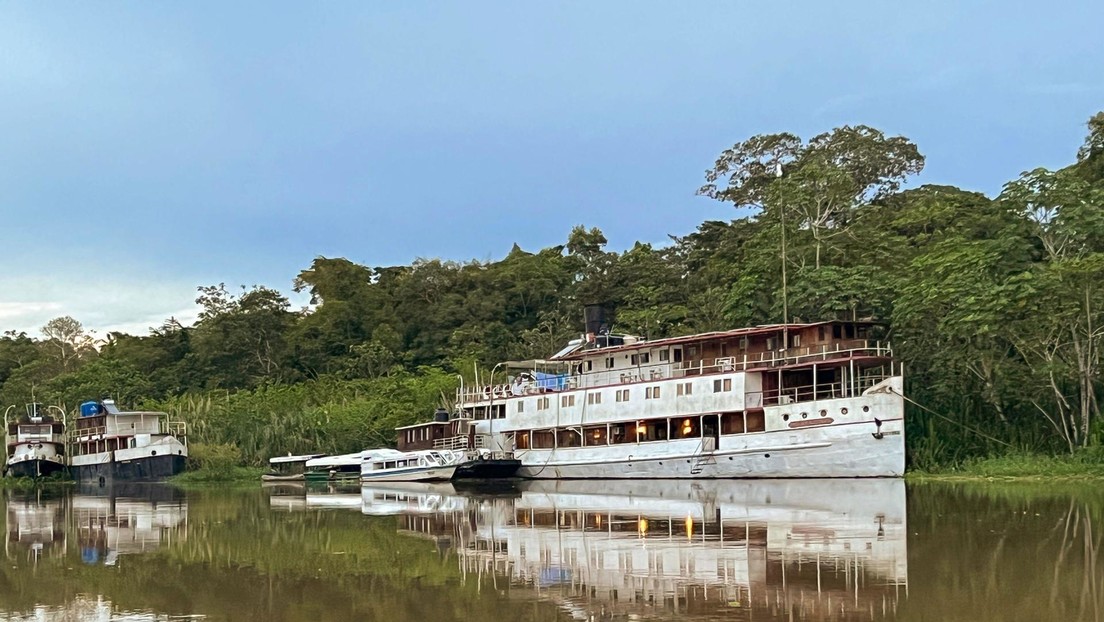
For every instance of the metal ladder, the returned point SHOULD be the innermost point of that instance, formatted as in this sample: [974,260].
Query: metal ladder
[700,462]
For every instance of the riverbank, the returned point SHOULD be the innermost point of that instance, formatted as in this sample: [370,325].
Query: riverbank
[233,475]
[1082,465]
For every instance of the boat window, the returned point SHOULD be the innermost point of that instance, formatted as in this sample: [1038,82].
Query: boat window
[521,441]
[521,406]
[651,393]
[618,433]
[687,427]
[837,331]
[567,400]
[569,437]
[732,423]
[664,355]
[820,333]
[685,388]
[594,435]
[651,430]
[609,362]
[542,403]
[756,422]
[594,398]
[722,384]
[543,439]
[623,395]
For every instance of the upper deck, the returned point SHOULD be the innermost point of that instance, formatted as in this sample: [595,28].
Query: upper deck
[585,364]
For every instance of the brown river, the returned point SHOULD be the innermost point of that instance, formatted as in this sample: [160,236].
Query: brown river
[569,550]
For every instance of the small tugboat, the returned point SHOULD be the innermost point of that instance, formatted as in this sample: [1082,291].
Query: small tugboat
[109,445]
[36,443]
[455,435]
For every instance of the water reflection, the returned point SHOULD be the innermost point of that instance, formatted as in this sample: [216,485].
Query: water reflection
[114,522]
[810,548]
[550,551]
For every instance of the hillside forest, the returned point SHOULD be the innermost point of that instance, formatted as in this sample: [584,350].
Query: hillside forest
[994,304]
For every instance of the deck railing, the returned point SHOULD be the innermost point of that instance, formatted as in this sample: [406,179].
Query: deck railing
[840,350]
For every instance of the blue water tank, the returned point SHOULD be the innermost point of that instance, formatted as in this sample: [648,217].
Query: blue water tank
[90,409]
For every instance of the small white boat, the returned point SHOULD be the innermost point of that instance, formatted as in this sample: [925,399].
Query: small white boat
[390,465]
[333,468]
[288,468]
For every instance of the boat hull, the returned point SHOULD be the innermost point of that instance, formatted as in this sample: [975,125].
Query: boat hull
[325,476]
[419,474]
[850,450]
[487,469]
[273,477]
[34,468]
[145,469]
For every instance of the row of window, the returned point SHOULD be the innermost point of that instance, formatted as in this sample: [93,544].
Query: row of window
[641,431]
[622,395]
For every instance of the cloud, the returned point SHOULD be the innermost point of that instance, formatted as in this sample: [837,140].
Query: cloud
[126,305]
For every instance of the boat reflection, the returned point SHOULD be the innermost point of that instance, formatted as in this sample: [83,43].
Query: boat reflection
[803,549]
[35,525]
[125,521]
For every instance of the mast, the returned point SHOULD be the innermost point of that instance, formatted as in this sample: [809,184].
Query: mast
[785,297]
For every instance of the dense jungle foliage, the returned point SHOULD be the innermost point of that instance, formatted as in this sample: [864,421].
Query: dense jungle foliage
[995,305]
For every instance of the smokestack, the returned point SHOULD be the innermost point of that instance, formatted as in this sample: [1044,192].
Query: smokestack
[594,316]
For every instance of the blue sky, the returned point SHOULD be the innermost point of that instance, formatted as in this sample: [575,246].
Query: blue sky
[147,148]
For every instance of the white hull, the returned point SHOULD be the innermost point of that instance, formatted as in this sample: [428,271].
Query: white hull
[416,474]
[848,450]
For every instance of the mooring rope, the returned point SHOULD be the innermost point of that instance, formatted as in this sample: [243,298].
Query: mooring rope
[948,419]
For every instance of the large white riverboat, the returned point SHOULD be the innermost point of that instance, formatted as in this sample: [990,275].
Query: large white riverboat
[821,399]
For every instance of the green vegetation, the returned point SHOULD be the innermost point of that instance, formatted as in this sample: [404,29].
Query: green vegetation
[993,304]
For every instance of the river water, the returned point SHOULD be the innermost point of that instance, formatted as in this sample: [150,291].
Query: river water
[534,551]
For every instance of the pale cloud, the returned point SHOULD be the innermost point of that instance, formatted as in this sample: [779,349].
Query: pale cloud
[126,305]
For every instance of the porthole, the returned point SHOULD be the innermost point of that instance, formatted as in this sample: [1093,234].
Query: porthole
[786,417]
[843,411]
[766,455]
[153,453]
[823,413]
[866,409]
[804,415]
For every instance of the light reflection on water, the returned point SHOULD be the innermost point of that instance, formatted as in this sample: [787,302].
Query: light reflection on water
[813,548]
[547,550]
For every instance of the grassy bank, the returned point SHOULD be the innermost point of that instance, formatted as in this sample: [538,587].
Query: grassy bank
[233,475]
[1084,464]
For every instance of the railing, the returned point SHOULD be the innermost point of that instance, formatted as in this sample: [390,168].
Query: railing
[452,442]
[808,393]
[660,371]
[175,428]
[87,432]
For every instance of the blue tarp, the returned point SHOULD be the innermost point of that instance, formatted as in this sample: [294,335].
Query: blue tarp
[551,382]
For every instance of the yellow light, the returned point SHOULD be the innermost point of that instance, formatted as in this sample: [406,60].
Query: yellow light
[641,429]
[642,525]
[689,527]
[597,434]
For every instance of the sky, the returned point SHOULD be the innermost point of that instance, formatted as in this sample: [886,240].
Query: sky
[150,148]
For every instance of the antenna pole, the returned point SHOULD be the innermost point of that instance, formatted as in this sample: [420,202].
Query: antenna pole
[785,297]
